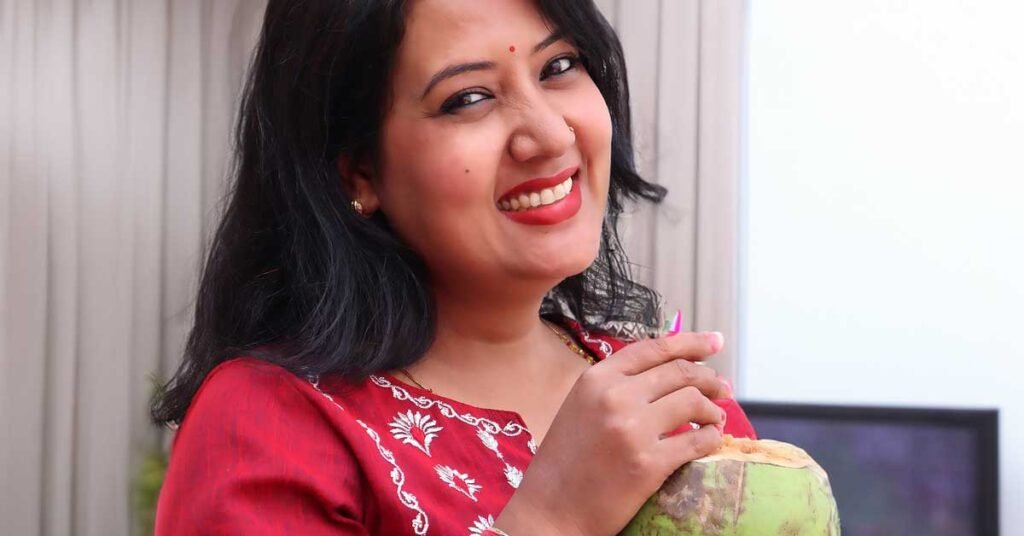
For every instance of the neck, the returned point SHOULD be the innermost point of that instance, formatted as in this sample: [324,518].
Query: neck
[481,334]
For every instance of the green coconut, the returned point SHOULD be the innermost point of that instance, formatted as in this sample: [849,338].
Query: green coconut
[746,488]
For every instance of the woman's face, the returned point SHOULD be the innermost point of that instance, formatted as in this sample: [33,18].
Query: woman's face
[483,97]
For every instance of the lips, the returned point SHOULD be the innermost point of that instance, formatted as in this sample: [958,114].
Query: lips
[539,184]
[551,207]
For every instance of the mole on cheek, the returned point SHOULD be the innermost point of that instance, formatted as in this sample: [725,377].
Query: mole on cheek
[467,171]
[512,48]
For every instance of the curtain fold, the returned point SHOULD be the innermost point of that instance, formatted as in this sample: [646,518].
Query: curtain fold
[114,125]
[685,60]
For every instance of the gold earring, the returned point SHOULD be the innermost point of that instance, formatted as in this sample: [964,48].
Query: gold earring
[358,207]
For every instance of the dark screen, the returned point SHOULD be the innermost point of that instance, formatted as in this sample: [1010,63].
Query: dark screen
[895,478]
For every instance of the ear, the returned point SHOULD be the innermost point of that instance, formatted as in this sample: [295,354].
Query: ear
[358,182]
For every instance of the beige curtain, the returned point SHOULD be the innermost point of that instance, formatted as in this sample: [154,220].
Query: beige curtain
[114,122]
[114,118]
[686,68]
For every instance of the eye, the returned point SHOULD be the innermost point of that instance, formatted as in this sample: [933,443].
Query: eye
[462,100]
[559,66]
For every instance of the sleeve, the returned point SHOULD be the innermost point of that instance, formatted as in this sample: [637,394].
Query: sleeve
[736,422]
[256,456]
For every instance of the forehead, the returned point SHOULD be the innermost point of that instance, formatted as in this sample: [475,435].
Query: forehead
[439,32]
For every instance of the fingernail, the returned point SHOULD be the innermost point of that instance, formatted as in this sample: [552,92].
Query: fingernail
[676,324]
[721,425]
[717,341]
[728,387]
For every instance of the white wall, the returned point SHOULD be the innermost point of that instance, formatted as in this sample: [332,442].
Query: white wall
[884,210]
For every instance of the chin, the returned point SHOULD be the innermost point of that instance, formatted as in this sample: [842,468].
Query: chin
[581,255]
[559,265]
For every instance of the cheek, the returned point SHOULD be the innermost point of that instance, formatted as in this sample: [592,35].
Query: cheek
[422,165]
[589,111]
[595,112]
[596,143]
[430,169]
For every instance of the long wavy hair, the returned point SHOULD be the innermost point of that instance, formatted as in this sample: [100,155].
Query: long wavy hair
[292,275]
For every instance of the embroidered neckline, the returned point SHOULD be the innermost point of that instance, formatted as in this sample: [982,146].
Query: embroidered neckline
[423,393]
[601,349]
[485,428]
[401,391]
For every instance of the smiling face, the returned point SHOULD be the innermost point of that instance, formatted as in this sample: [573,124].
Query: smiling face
[482,100]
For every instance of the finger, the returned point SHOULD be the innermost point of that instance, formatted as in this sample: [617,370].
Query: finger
[676,374]
[682,407]
[679,449]
[646,354]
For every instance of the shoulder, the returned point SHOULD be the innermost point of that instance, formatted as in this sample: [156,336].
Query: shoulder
[241,391]
[256,446]
[249,395]
[247,402]
[248,374]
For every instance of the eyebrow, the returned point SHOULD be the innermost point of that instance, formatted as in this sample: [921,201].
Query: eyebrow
[548,41]
[461,68]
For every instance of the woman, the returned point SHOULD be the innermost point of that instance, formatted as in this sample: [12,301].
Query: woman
[422,227]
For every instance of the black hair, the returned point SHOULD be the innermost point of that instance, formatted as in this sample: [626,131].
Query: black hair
[293,275]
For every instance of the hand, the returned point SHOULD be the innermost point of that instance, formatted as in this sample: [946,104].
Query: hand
[609,448]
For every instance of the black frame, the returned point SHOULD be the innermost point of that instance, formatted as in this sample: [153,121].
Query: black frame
[984,423]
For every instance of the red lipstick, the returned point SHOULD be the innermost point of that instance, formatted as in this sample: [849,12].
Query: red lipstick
[536,185]
[556,212]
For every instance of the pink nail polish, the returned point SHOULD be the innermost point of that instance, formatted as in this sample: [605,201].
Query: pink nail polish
[676,325]
[717,341]
[728,387]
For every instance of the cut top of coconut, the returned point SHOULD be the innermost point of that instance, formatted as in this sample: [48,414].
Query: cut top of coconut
[763,451]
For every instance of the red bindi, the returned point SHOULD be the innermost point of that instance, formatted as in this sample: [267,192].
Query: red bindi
[512,48]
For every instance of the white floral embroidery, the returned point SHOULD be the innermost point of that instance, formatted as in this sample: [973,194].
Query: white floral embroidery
[510,428]
[486,428]
[420,522]
[488,440]
[513,475]
[406,426]
[460,482]
[481,524]
[532,446]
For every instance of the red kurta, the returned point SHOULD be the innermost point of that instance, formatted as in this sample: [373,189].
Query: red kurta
[262,451]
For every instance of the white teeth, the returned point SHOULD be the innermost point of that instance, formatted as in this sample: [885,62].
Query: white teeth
[546,196]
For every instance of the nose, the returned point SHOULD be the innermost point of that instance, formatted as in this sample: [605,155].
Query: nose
[542,132]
